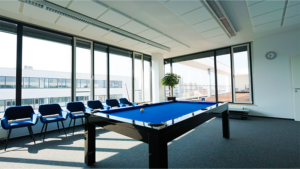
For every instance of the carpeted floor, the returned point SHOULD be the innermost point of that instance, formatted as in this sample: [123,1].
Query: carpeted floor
[254,143]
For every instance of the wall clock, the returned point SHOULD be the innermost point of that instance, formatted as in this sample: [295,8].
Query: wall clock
[270,55]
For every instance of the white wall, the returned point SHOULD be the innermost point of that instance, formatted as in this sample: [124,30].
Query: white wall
[157,75]
[272,79]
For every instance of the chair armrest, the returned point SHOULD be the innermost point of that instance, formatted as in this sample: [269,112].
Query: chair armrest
[34,118]
[4,122]
[135,104]
[106,107]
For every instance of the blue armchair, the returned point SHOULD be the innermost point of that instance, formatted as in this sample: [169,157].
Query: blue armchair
[112,103]
[73,107]
[124,103]
[96,104]
[48,110]
[15,113]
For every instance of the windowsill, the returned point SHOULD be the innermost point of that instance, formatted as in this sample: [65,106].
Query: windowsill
[243,104]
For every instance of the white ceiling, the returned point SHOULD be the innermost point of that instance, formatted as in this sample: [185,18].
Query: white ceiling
[178,21]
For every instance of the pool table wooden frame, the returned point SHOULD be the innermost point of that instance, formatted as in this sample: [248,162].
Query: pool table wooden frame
[156,139]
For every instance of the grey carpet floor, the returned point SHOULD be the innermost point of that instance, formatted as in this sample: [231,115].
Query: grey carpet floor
[254,143]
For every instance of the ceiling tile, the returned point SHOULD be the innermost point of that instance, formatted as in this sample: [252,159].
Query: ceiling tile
[129,42]
[265,7]
[149,34]
[162,1]
[162,39]
[292,11]
[62,3]
[113,18]
[38,13]
[171,44]
[220,38]
[88,8]
[206,25]
[182,7]
[197,16]
[70,23]
[251,2]
[213,33]
[291,20]
[11,5]
[268,26]
[113,37]
[142,46]
[269,17]
[134,27]
[293,2]
[151,49]
[181,47]
[95,31]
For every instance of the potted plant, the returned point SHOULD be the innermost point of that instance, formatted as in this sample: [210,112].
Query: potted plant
[170,80]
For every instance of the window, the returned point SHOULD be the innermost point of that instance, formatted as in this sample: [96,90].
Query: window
[167,65]
[83,70]
[147,78]
[120,66]
[197,78]
[224,75]
[200,78]
[241,71]
[40,58]
[100,72]
[8,58]
[138,77]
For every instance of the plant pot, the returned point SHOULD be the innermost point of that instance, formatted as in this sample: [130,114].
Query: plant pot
[171,98]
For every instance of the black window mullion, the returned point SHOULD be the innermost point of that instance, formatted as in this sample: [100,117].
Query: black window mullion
[73,80]
[19,65]
[108,73]
[171,71]
[231,69]
[216,77]
[93,74]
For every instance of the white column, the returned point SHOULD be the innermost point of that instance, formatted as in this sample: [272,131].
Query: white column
[157,75]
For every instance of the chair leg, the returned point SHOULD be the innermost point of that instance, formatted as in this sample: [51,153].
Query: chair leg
[74,126]
[45,131]
[42,129]
[29,132]
[7,138]
[70,124]
[82,123]
[58,127]
[32,135]
[63,127]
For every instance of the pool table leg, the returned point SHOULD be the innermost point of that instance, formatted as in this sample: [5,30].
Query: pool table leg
[225,124]
[158,152]
[89,143]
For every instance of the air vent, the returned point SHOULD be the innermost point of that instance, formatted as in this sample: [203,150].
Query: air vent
[33,3]
[219,12]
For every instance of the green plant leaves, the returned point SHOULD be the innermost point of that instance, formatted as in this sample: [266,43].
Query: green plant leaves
[170,79]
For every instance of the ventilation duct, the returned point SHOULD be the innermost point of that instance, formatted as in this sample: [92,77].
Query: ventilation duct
[219,12]
[82,18]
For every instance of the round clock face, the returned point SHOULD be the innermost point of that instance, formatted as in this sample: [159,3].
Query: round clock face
[270,55]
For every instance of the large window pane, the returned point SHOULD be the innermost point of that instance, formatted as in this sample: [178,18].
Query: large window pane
[120,66]
[83,70]
[138,78]
[241,74]
[197,78]
[46,62]
[8,55]
[167,70]
[224,75]
[100,72]
[147,78]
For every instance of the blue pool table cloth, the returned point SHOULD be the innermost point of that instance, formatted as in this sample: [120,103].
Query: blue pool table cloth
[159,112]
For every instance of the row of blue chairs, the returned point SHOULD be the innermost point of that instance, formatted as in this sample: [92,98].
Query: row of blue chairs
[24,116]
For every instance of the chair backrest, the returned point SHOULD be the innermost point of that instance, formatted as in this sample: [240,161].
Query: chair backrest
[49,109]
[112,103]
[95,104]
[75,106]
[18,112]
[125,101]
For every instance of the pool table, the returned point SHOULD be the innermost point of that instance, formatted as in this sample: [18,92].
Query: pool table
[157,125]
